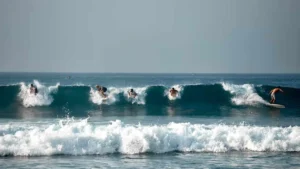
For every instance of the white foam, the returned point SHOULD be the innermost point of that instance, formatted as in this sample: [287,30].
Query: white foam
[141,94]
[96,98]
[113,92]
[243,94]
[7,85]
[76,85]
[82,138]
[179,88]
[42,98]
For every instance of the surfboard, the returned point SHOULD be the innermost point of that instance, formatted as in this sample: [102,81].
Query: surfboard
[279,106]
[172,97]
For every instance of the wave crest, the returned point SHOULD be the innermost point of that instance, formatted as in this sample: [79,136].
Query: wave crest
[243,94]
[42,98]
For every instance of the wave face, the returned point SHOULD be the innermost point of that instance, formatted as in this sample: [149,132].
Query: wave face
[71,137]
[85,96]
[290,97]
[220,94]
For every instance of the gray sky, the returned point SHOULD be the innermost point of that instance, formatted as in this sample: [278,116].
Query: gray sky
[199,36]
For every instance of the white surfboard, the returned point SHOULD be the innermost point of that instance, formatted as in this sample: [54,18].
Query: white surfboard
[104,98]
[172,97]
[279,106]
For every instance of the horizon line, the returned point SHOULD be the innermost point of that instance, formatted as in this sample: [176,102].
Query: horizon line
[149,72]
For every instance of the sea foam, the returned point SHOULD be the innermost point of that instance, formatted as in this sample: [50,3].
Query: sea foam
[79,137]
[179,88]
[42,98]
[113,94]
[243,94]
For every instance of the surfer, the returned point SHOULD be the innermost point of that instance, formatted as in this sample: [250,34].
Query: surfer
[273,92]
[33,89]
[102,91]
[173,92]
[132,93]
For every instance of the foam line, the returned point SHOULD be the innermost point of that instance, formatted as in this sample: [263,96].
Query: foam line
[71,137]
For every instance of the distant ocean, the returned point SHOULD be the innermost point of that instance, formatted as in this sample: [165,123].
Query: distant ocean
[217,121]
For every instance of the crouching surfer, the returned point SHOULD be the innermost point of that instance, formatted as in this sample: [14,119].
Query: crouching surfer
[102,91]
[132,93]
[273,92]
[173,92]
[33,89]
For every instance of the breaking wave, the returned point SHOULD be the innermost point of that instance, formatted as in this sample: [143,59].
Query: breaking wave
[218,94]
[79,137]
[42,98]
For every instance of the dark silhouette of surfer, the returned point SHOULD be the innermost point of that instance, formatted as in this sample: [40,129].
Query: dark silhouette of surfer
[33,89]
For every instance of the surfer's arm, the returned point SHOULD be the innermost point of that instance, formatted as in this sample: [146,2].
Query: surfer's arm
[281,90]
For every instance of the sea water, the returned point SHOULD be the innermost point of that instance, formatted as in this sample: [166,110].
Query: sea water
[216,121]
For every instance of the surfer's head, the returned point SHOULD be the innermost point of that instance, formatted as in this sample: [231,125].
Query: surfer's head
[131,90]
[31,85]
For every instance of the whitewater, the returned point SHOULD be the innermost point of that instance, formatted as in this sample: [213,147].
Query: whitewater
[80,137]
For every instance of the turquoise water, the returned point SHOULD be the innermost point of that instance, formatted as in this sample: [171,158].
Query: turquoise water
[217,121]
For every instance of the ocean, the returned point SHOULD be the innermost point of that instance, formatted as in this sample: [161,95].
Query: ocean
[216,121]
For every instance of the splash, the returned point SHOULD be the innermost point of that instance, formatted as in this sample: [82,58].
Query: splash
[113,95]
[141,94]
[179,88]
[243,94]
[42,98]
[96,98]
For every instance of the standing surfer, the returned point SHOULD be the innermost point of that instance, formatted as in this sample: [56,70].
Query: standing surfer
[273,92]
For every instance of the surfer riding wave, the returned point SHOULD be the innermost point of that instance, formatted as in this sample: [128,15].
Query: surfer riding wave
[273,92]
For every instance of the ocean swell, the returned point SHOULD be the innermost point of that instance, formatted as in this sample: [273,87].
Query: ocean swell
[219,94]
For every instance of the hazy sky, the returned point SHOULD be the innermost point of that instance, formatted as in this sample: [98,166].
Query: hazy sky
[199,36]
